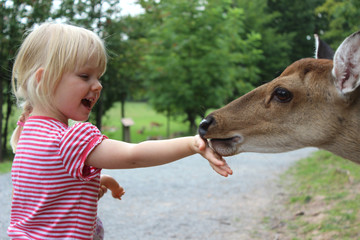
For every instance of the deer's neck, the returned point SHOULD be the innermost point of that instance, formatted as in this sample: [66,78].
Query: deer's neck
[351,151]
[346,143]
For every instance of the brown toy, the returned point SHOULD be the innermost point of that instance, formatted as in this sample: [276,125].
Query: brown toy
[108,182]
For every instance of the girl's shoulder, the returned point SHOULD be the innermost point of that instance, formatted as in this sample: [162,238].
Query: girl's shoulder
[83,127]
[82,132]
[45,126]
[53,126]
[45,122]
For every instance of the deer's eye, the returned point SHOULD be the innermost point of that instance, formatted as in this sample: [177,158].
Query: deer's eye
[282,95]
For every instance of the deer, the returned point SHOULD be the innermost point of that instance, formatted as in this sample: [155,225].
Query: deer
[314,102]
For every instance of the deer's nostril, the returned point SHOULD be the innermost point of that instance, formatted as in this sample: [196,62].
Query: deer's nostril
[204,125]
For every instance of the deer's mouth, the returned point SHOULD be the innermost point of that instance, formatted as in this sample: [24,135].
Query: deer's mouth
[226,146]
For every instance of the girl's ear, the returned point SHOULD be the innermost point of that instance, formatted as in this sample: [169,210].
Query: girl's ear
[39,74]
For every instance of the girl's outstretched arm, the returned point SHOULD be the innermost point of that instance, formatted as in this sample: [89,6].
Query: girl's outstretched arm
[113,154]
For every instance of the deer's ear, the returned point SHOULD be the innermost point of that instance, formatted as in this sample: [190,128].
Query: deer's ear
[322,49]
[346,68]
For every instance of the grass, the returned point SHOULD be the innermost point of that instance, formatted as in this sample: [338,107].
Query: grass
[148,124]
[5,166]
[326,189]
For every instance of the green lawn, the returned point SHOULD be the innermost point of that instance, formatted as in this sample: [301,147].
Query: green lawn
[326,189]
[5,166]
[147,123]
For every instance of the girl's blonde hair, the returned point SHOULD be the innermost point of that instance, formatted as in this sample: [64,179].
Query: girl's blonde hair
[56,49]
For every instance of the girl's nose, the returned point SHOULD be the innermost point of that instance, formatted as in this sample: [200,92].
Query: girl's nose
[97,86]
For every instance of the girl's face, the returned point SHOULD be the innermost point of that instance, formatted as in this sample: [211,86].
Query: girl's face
[77,93]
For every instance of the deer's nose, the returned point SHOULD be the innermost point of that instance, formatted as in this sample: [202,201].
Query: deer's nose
[204,125]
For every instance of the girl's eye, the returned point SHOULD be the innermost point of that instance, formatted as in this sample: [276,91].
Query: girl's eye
[84,76]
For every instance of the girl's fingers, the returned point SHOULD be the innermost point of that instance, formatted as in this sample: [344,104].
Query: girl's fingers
[224,170]
[220,171]
[102,191]
[216,161]
[214,158]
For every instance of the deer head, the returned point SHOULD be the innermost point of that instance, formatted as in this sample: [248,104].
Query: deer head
[314,102]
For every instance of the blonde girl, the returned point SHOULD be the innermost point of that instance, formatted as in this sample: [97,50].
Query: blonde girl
[56,169]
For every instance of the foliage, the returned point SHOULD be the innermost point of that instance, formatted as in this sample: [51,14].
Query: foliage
[342,19]
[275,47]
[16,17]
[198,53]
[125,42]
[298,20]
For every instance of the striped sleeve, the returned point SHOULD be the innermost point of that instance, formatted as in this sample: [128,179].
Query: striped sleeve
[76,144]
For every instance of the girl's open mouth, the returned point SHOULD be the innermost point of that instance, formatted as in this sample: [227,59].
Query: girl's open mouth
[87,103]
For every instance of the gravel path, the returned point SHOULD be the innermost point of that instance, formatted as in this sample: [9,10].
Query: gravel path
[188,200]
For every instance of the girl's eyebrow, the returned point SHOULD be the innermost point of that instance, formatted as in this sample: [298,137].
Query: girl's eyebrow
[88,70]
[84,68]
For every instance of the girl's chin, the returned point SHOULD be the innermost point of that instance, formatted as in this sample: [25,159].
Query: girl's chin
[81,118]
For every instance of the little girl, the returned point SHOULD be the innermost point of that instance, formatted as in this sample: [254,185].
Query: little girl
[56,169]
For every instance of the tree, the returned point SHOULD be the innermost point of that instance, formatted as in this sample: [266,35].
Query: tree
[16,17]
[199,54]
[275,47]
[342,18]
[126,44]
[298,20]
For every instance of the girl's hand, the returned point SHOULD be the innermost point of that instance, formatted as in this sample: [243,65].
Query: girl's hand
[216,161]
[102,191]
[108,182]
[118,193]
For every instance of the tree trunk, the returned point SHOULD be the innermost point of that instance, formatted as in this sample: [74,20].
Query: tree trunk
[122,101]
[168,124]
[7,117]
[192,125]
[122,108]
[1,117]
[99,114]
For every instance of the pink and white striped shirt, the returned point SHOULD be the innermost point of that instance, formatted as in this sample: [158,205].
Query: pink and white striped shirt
[55,193]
